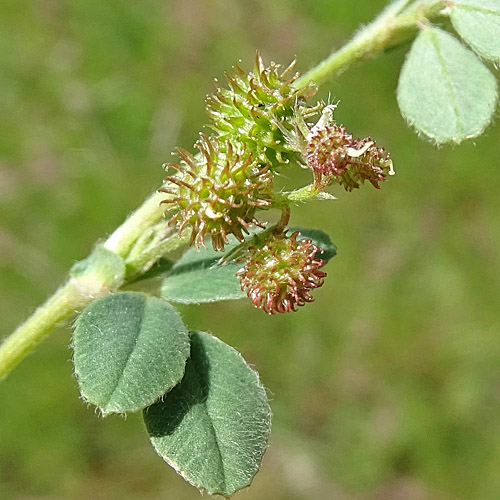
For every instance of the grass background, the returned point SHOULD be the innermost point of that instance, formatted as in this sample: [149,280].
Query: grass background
[387,387]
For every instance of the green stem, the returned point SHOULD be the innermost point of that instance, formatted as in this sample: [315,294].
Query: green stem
[39,325]
[392,26]
[123,238]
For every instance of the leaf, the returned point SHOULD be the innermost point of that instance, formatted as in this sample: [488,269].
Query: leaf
[199,277]
[444,90]
[128,350]
[213,427]
[478,23]
[105,265]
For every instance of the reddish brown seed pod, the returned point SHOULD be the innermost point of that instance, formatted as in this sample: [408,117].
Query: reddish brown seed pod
[280,275]
[332,153]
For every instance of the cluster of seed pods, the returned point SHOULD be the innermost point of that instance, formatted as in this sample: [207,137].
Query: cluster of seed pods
[260,125]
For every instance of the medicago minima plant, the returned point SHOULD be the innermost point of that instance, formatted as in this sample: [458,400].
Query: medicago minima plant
[205,410]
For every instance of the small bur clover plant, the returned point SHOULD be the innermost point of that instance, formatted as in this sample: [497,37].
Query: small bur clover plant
[205,410]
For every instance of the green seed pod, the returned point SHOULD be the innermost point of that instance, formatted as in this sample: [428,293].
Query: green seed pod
[280,275]
[217,192]
[263,110]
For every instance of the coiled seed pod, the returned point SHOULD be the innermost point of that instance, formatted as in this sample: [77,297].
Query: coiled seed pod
[217,191]
[263,110]
[332,153]
[280,275]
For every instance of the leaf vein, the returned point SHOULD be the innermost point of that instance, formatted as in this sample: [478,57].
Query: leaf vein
[129,356]
[219,451]
[449,83]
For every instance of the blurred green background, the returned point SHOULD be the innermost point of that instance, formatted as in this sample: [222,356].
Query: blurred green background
[387,387]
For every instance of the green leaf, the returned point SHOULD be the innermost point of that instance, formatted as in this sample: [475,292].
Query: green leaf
[444,90]
[106,266]
[478,23]
[199,277]
[213,427]
[129,349]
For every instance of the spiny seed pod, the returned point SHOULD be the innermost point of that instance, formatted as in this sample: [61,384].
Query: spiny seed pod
[263,109]
[332,153]
[217,192]
[280,275]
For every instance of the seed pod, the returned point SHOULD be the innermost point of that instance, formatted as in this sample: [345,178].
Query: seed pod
[217,192]
[263,110]
[332,153]
[280,275]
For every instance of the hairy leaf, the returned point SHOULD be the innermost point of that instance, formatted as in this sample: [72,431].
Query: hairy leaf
[213,427]
[197,277]
[128,350]
[478,23]
[444,90]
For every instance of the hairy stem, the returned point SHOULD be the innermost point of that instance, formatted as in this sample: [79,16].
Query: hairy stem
[395,24]
[39,325]
[123,238]
[142,262]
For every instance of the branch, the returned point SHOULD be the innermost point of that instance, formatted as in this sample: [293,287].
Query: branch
[129,243]
[396,24]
